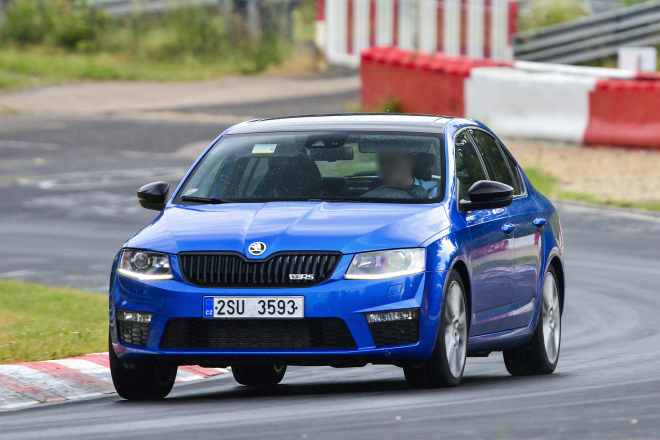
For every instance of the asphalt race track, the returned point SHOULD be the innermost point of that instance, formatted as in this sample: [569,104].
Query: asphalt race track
[67,191]
[64,229]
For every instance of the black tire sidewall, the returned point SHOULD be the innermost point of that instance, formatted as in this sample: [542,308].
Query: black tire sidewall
[258,374]
[144,382]
[532,359]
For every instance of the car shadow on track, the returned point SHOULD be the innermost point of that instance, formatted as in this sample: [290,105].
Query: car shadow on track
[232,391]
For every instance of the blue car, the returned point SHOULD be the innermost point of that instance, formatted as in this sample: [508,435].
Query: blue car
[340,240]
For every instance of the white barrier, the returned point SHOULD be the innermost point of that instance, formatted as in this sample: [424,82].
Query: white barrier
[546,105]
[596,106]
[476,28]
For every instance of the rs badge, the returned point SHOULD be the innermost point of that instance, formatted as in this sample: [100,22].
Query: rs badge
[301,276]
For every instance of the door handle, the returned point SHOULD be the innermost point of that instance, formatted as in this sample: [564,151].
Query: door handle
[508,227]
[539,222]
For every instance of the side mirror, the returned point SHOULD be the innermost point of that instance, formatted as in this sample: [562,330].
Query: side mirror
[154,195]
[486,194]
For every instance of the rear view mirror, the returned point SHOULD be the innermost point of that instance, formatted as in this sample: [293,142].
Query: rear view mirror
[154,195]
[326,140]
[331,154]
[487,194]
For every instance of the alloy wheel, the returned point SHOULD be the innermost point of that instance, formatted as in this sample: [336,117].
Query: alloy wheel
[551,320]
[455,322]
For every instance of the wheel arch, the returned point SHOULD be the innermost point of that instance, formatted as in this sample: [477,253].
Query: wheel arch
[461,267]
[557,265]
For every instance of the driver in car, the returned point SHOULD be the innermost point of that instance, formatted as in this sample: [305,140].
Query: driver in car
[396,171]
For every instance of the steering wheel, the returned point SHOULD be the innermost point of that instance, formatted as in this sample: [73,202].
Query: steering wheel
[388,192]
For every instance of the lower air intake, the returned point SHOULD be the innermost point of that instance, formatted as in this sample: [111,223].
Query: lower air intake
[387,334]
[243,334]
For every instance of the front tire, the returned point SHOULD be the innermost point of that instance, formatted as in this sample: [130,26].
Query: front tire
[143,381]
[447,363]
[541,354]
[260,375]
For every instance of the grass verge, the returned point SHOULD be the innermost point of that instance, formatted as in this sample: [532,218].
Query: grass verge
[40,323]
[32,66]
[547,184]
[52,41]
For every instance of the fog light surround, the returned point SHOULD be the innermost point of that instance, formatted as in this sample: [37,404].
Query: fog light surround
[130,316]
[133,327]
[392,315]
[394,327]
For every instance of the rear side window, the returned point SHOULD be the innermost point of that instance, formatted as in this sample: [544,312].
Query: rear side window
[468,165]
[497,166]
[517,178]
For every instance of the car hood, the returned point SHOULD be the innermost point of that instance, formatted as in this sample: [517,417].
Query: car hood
[291,226]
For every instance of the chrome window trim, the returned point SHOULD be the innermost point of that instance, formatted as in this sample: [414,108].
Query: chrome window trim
[500,147]
[503,149]
[481,160]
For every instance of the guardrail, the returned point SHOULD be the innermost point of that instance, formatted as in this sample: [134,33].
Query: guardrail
[126,7]
[591,38]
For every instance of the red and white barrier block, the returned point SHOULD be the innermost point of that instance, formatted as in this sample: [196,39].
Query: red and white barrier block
[597,106]
[30,383]
[477,28]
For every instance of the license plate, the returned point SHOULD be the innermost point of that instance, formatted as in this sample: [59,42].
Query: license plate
[254,307]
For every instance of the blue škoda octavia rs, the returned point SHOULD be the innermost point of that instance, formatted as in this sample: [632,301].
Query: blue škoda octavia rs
[415,241]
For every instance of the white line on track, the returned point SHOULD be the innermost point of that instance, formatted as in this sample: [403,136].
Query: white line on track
[608,211]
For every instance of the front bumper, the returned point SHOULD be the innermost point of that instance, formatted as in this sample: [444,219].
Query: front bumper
[335,298]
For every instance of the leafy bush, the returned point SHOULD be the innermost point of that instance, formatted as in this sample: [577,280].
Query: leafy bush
[23,22]
[74,25]
[201,32]
[60,23]
[540,13]
[632,2]
[392,105]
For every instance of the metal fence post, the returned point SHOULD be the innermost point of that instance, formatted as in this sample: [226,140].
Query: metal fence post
[227,8]
[253,21]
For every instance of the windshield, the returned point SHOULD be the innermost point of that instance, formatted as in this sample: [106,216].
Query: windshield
[336,166]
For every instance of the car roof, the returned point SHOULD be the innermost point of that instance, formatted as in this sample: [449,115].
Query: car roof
[346,122]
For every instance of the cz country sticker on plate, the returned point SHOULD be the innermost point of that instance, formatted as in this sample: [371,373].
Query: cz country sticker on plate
[254,307]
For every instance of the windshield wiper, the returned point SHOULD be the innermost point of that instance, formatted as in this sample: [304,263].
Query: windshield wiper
[327,200]
[337,200]
[209,200]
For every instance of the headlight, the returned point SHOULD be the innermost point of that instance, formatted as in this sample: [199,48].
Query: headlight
[386,264]
[145,265]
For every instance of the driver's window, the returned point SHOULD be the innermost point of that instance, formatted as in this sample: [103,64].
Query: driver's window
[469,168]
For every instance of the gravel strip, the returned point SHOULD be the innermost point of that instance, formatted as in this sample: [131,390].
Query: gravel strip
[606,172]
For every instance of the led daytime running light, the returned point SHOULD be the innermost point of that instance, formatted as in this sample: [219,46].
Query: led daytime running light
[145,277]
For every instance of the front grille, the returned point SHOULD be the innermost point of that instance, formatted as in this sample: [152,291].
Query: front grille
[392,333]
[231,269]
[133,333]
[237,334]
